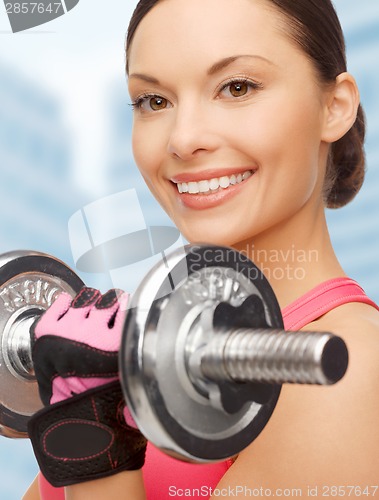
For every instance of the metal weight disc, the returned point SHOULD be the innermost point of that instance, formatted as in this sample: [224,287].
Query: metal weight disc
[173,299]
[29,284]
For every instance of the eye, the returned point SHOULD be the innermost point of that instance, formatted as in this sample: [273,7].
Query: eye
[150,102]
[238,88]
[156,103]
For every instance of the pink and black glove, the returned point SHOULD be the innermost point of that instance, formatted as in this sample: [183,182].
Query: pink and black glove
[85,432]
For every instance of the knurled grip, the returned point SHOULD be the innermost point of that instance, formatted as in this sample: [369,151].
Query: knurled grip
[275,356]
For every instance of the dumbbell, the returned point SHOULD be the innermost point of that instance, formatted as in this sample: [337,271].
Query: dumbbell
[29,283]
[203,352]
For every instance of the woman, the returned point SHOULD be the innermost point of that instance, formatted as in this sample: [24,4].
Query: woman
[246,126]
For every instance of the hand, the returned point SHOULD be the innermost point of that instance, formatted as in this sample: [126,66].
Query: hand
[85,432]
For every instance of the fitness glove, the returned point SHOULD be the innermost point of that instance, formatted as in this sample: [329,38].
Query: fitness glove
[85,431]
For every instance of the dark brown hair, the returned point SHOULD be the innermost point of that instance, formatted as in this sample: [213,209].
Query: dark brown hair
[315,27]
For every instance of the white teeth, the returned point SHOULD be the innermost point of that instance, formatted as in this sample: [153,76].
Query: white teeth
[193,187]
[224,182]
[213,184]
[203,186]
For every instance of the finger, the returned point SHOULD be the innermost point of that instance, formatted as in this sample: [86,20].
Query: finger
[72,324]
[106,319]
[113,305]
[85,298]
[119,319]
[109,299]
[48,320]
[81,307]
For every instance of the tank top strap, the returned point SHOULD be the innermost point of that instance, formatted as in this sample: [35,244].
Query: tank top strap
[322,299]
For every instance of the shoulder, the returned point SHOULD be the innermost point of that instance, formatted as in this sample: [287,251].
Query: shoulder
[323,435]
[358,325]
[349,316]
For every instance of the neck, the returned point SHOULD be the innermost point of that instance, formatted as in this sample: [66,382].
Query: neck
[294,261]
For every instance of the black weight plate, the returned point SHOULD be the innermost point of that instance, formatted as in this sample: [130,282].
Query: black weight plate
[169,418]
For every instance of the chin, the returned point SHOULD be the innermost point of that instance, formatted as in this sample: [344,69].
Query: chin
[211,237]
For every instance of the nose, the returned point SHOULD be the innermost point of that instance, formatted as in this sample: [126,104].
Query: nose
[193,132]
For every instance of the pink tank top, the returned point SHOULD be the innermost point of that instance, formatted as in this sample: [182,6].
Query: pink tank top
[164,475]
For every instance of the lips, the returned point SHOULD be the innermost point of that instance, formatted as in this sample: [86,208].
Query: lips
[211,185]
[206,190]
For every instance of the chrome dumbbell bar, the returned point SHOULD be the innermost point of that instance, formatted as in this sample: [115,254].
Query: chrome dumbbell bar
[204,353]
[276,357]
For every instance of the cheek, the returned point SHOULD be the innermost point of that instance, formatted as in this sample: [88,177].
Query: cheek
[147,147]
[141,153]
[284,134]
[149,151]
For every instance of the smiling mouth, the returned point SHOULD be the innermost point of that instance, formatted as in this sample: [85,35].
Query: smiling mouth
[213,185]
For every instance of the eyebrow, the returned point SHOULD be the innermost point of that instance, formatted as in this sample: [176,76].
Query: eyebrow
[214,69]
[227,61]
[145,78]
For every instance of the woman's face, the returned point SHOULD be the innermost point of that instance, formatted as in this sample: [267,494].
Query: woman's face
[228,119]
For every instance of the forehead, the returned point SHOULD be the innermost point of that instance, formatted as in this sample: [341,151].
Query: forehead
[197,30]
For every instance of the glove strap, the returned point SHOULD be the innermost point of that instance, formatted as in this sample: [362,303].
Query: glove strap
[86,437]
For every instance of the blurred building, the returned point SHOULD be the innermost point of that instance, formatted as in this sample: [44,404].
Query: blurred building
[36,201]
[355,228]
[36,195]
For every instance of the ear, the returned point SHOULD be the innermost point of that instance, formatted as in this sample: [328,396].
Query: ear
[341,109]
